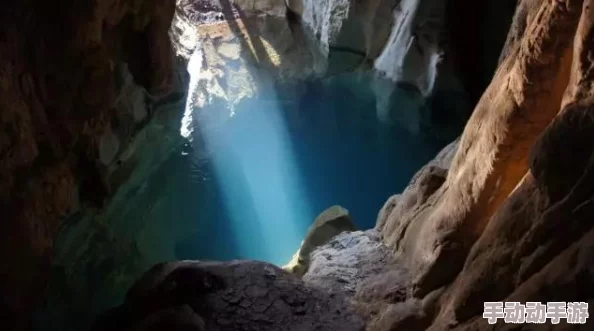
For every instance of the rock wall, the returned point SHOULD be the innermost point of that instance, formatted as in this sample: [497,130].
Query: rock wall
[487,157]
[69,109]
[507,220]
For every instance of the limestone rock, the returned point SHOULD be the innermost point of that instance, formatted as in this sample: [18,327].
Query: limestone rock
[446,226]
[238,295]
[346,33]
[328,224]
[259,30]
[345,261]
[509,222]
[398,209]
[413,51]
[295,5]
[237,51]
[183,31]
[386,211]
[535,247]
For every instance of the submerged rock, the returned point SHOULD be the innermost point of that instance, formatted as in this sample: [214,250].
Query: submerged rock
[234,296]
[328,224]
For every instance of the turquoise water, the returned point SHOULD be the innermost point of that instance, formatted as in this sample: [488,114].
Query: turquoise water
[252,186]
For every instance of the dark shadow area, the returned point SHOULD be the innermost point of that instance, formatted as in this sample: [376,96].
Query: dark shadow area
[475,52]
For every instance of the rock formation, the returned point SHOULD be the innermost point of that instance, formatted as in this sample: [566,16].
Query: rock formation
[346,261]
[239,295]
[501,226]
[70,112]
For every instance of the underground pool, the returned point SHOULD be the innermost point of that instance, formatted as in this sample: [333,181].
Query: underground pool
[246,185]
[250,187]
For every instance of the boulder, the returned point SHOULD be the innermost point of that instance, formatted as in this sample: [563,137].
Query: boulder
[328,224]
[343,263]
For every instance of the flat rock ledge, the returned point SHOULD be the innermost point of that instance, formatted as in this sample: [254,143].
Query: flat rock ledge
[236,295]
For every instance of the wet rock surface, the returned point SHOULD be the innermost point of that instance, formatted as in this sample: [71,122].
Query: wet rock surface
[239,295]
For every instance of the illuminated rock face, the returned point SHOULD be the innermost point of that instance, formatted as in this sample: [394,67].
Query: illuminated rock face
[348,34]
[346,261]
[414,49]
[424,76]
[328,224]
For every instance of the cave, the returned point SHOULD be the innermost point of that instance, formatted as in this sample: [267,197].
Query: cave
[295,165]
[247,176]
